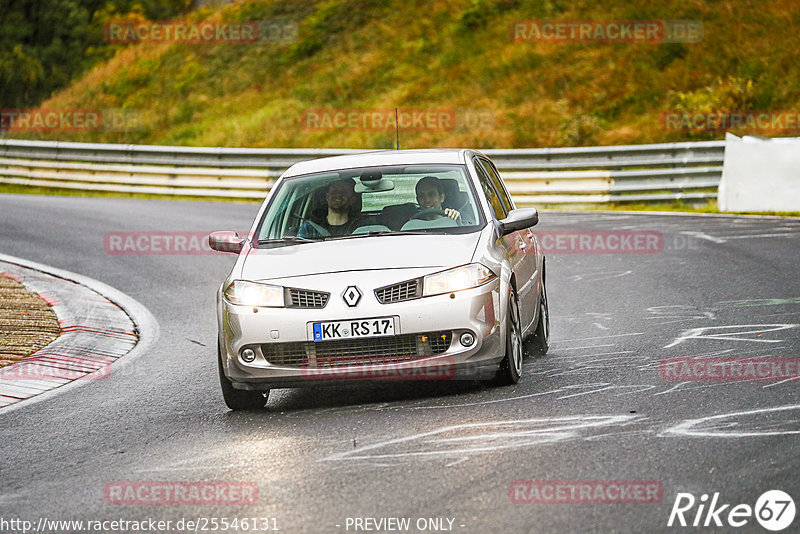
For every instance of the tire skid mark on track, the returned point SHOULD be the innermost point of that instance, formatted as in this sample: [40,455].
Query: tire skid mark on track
[597,337]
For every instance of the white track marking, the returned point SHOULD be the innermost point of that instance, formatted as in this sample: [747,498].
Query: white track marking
[701,235]
[623,433]
[678,313]
[781,382]
[484,437]
[670,390]
[694,427]
[703,333]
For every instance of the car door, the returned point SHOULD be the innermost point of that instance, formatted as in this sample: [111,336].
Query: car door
[523,246]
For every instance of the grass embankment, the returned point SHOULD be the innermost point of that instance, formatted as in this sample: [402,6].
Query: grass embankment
[448,55]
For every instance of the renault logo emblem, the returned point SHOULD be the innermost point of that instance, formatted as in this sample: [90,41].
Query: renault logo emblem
[351,296]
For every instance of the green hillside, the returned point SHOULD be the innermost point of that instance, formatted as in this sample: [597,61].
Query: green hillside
[454,59]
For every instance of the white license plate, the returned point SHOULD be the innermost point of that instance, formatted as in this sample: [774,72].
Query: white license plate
[376,326]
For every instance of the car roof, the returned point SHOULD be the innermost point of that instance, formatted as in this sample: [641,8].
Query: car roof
[380,158]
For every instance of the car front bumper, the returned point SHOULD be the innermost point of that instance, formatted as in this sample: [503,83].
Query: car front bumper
[271,331]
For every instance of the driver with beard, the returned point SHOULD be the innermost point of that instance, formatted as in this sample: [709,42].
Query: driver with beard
[337,218]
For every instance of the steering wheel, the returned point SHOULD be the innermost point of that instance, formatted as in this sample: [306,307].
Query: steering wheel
[427,215]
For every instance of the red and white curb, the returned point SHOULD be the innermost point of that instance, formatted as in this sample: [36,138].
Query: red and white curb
[98,323]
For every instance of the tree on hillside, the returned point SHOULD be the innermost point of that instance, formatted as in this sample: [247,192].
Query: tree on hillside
[44,44]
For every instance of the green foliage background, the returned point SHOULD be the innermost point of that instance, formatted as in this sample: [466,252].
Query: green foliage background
[44,44]
[378,54]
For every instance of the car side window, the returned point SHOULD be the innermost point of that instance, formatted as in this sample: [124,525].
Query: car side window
[489,191]
[498,184]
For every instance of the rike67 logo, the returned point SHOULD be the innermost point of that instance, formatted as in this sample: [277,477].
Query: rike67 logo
[774,510]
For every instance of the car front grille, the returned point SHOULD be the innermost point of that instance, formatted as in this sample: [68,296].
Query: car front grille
[303,298]
[359,351]
[409,290]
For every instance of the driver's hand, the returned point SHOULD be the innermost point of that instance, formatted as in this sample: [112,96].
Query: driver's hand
[453,214]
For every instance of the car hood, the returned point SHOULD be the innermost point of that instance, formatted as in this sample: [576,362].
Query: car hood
[363,253]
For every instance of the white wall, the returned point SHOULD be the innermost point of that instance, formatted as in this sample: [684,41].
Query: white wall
[760,174]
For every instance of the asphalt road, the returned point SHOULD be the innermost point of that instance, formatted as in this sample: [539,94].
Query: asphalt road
[595,408]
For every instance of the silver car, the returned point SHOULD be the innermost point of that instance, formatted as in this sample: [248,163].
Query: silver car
[386,265]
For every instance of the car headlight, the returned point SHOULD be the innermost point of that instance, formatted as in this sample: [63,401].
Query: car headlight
[465,277]
[252,294]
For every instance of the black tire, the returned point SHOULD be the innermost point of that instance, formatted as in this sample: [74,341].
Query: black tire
[539,342]
[511,367]
[238,399]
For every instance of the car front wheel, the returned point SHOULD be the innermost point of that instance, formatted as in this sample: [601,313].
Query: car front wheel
[511,367]
[237,399]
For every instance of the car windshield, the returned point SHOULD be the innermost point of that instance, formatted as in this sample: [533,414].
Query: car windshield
[371,201]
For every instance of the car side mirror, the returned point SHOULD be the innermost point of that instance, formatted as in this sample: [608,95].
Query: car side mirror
[226,242]
[518,219]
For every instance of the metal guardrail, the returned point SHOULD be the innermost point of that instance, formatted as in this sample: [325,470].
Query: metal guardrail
[535,176]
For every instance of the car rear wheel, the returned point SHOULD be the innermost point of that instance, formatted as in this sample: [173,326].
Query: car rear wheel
[237,399]
[539,342]
[511,367]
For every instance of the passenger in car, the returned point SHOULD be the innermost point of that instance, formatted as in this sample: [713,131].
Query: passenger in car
[430,195]
[339,217]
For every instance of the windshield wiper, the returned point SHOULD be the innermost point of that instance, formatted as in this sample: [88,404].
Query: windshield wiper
[288,239]
[377,233]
